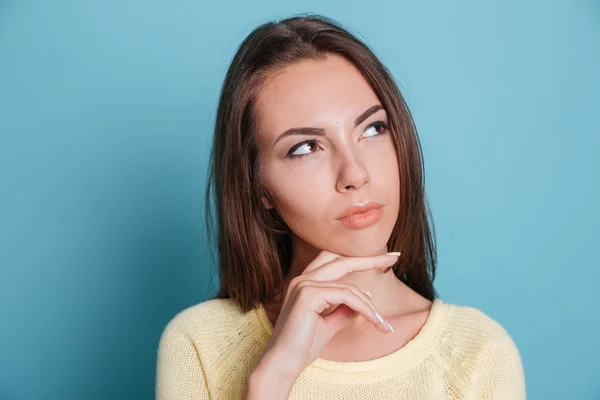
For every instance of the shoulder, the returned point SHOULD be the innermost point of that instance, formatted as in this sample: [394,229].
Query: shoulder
[472,330]
[198,314]
[205,319]
[475,344]
[214,327]
[474,327]
[206,344]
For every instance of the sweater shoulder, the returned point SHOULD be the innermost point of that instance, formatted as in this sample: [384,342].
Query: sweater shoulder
[212,318]
[218,328]
[475,321]
[478,348]
[472,333]
[213,311]
[217,338]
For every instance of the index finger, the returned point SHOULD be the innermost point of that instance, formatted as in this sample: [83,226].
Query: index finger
[345,265]
[323,258]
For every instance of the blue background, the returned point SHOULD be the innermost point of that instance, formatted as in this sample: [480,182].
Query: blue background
[107,110]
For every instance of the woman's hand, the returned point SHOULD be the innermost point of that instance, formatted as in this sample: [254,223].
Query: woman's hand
[302,330]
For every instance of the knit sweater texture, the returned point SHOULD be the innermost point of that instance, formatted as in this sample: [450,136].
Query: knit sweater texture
[208,350]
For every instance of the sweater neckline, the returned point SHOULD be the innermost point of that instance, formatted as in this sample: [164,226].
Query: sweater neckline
[405,357]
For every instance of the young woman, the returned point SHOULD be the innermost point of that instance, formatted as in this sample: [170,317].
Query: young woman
[326,253]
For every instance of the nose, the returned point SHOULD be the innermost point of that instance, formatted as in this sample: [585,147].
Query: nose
[352,173]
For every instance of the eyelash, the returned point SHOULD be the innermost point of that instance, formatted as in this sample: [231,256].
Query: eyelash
[314,140]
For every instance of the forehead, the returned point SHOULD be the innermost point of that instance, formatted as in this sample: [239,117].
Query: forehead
[313,94]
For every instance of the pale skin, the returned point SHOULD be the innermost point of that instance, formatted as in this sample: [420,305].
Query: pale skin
[347,165]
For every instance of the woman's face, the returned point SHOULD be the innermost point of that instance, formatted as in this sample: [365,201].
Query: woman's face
[314,178]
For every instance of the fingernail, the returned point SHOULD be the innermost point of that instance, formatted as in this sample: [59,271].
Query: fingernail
[383,321]
[368,294]
[388,324]
[393,253]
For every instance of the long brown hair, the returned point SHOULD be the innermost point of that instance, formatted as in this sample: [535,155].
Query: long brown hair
[254,246]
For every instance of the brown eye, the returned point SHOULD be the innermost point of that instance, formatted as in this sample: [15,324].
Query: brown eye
[306,144]
[380,128]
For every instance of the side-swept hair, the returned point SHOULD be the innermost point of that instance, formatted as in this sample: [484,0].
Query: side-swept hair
[254,245]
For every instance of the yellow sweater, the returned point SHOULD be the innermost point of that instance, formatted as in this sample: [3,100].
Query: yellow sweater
[208,350]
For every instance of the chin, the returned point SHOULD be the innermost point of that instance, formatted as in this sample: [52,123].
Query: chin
[351,242]
[359,245]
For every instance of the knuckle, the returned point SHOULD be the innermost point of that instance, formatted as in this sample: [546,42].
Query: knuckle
[353,287]
[301,284]
[295,282]
[306,291]
[347,290]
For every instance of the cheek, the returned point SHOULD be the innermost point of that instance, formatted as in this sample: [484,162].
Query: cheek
[383,165]
[298,194]
[392,181]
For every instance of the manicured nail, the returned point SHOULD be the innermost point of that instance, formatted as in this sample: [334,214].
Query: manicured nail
[388,324]
[393,253]
[368,294]
[383,321]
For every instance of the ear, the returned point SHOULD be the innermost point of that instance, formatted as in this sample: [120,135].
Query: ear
[266,203]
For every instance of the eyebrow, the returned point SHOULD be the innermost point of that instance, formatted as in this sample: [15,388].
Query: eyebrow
[321,132]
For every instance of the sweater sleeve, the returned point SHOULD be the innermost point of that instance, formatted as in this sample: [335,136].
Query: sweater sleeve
[499,373]
[179,371]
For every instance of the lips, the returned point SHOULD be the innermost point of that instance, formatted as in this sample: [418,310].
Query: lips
[359,209]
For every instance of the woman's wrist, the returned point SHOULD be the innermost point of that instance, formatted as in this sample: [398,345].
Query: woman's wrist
[268,382]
